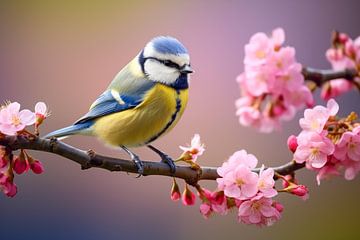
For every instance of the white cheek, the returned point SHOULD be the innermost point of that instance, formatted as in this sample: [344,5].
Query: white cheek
[160,73]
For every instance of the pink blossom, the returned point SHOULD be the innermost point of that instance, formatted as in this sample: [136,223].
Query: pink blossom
[257,81]
[257,49]
[299,97]
[266,182]
[335,88]
[195,150]
[278,37]
[188,197]
[272,85]
[248,116]
[283,59]
[259,210]
[327,171]
[349,146]
[213,202]
[241,183]
[41,112]
[314,149]
[41,109]
[205,210]
[13,120]
[343,54]
[7,185]
[218,202]
[352,168]
[278,206]
[316,118]
[10,189]
[238,158]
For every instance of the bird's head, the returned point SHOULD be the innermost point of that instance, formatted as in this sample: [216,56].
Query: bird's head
[165,60]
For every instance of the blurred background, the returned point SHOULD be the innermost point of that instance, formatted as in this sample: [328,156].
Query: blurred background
[66,52]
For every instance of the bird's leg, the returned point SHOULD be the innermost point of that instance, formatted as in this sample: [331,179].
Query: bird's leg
[135,158]
[164,158]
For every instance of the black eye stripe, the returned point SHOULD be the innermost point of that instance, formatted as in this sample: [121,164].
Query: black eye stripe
[167,63]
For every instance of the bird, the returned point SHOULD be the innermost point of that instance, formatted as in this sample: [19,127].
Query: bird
[143,102]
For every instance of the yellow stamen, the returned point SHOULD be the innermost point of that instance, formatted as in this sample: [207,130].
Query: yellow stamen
[260,54]
[239,182]
[15,120]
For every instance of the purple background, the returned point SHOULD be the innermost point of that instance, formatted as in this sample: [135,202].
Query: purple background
[66,53]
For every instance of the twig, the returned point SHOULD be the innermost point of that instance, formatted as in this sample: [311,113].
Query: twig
[89,159]
[319,76]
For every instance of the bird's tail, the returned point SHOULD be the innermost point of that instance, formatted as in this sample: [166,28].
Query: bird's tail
[80,128]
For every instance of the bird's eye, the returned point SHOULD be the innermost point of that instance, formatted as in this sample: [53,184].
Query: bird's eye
[171,64]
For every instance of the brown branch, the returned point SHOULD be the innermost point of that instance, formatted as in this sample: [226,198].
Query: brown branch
[319,76]
[89,159]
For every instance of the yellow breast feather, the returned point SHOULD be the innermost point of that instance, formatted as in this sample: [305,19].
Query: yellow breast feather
[159,112]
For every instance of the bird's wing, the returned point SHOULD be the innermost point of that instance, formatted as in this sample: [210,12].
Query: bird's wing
[111,101]
[126,91]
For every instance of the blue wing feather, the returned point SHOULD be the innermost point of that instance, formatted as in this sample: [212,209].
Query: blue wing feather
[107,104]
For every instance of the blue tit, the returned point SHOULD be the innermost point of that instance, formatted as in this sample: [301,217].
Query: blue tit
[144,101]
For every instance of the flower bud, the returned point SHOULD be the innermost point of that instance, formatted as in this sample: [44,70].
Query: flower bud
[21,164]
[3,161]
[37,167]
[188,197]
[287,180]
[205,210]
[10,189]
[299,190]
[175,191]
[292,143]
[278,206]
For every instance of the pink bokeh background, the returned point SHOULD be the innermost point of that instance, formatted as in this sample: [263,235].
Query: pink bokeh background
[66,53]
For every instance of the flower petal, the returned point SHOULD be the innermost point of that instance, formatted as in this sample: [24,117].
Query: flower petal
[27,117]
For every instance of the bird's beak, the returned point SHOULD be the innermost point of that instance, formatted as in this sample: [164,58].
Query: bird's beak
[186,69]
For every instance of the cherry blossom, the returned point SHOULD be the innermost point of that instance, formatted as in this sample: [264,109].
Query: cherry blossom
[272,85]
[259,210]
[316,118]
[13,120]
[343,54]
[314,149]
[41,112]
[195,150]
[266,182]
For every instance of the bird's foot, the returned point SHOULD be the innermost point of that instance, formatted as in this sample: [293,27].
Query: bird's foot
[135,158]
[139,165]
[165,159]
[169,161]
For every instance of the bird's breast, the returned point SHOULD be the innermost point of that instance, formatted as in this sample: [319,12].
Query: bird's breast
[159,112]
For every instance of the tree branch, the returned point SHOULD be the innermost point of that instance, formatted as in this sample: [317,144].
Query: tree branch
[89,159]
[319,76]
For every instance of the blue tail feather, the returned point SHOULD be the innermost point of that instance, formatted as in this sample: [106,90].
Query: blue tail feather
[71,130]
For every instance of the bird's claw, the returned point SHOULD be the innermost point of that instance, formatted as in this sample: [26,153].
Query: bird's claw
[139,165]
[168,160]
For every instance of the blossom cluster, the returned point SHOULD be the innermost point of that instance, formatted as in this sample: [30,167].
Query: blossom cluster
[13,122]
[189,155]
[272,84]
[239,186]
[328,144]
[252,192]
[344,53]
